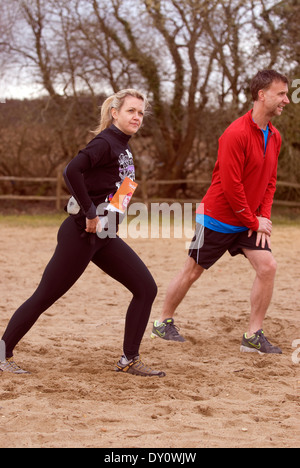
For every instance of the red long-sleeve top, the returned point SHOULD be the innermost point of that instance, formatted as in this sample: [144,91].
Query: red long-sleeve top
[244,177]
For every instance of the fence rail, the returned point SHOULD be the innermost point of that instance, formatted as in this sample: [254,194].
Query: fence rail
[60,196]
[58,181]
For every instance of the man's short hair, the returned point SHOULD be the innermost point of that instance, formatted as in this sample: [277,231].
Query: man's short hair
[263,80]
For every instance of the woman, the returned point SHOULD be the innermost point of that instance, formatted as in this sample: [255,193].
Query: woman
[93,177]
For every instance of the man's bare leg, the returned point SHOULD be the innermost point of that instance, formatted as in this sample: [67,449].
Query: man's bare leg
[265,265]
[179,287]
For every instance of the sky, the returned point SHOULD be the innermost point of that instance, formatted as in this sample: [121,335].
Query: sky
[16,88]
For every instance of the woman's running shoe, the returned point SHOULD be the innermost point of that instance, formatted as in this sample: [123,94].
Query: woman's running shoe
[9,365]
[136,367]
[258,343]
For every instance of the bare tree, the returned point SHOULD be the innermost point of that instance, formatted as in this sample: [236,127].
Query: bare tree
[194,58]
[161,46]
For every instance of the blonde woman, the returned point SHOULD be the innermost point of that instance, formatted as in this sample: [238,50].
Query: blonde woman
[93,177]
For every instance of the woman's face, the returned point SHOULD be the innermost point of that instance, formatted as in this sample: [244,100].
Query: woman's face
[130,117]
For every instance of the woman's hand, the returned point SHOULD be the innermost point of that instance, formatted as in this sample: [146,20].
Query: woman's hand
[91,225]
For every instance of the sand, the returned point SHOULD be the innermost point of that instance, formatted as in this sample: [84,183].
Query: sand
[213,396]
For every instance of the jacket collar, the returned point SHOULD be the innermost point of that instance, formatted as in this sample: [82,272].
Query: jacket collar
[254,124]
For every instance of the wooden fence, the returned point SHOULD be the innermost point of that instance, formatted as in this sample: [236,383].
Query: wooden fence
[57,181]
[60,196]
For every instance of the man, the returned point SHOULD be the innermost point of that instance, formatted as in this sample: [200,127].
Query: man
[237,211]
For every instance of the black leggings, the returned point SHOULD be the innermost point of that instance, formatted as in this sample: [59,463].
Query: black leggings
[71,257]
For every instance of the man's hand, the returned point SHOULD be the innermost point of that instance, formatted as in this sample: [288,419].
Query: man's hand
[261,238]
[265,226]
[263,233]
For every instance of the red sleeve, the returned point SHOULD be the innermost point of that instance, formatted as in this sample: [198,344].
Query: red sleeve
[232,162]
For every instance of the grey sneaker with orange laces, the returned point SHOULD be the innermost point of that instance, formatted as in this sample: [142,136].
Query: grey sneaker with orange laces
[136,367]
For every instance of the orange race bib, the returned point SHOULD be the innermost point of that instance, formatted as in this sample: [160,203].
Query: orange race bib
[122,197]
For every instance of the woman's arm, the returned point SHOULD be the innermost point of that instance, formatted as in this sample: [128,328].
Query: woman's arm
[91,156]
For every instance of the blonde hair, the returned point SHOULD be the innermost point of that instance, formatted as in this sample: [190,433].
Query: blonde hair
[116,101]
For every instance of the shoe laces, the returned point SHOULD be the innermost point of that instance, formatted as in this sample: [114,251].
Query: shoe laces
[261,334]
[10,365]
[173,329]
[140,365]
[13,364]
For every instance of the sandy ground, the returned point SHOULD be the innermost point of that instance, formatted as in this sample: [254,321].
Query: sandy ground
[213,396]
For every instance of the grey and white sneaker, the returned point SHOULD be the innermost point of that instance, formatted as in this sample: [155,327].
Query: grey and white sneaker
[9,365]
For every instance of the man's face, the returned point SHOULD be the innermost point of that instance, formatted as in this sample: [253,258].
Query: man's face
[275,98]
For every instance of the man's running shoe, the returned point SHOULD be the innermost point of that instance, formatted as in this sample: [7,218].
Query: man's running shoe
[258,343]
[166,330]
[9,365]
[136,367]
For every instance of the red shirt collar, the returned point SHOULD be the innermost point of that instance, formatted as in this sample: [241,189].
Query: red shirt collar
[254,124]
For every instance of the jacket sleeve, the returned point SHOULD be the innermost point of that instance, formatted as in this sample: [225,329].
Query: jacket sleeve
[231,162]
[92,155]
[266,205]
